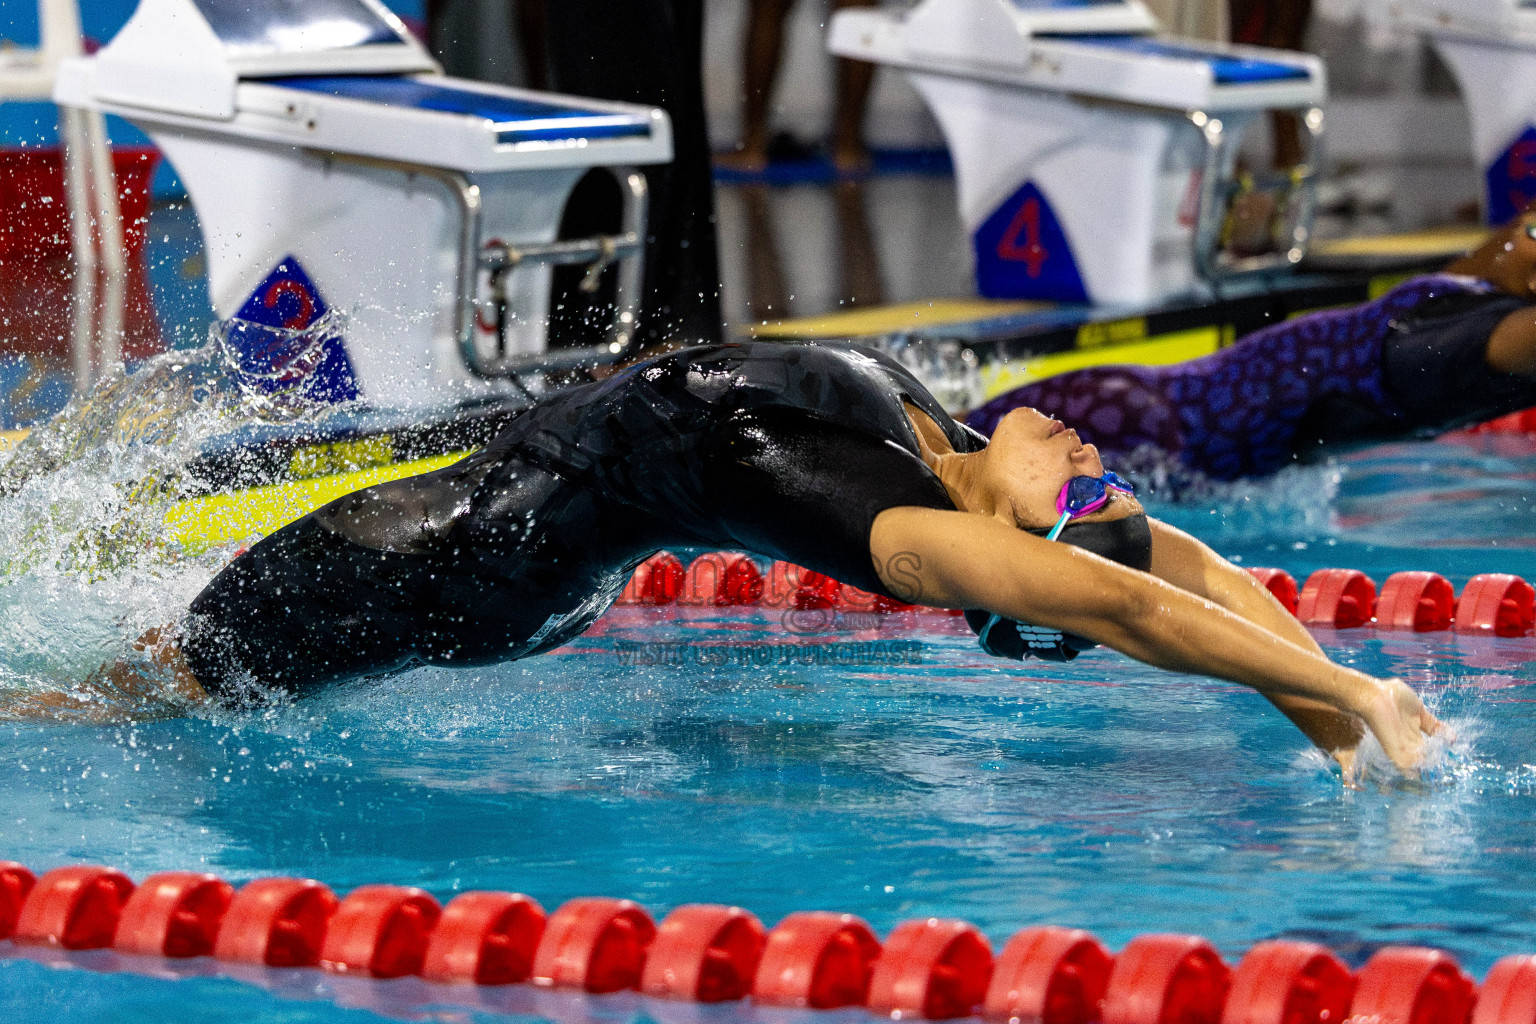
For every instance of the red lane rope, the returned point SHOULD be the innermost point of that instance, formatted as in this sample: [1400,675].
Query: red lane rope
[931,968]
[1496,604]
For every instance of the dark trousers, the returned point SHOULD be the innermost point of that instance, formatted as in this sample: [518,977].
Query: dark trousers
[644,51]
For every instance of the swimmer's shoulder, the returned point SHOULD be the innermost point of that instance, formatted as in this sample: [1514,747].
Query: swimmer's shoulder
[1446,296]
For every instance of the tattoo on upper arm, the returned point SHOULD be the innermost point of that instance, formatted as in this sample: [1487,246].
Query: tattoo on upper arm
[902,574]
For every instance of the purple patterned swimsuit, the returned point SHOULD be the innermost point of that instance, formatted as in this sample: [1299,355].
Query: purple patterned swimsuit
[1248,409]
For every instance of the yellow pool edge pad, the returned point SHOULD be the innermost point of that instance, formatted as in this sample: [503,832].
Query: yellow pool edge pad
[1162,350]
[213,520]
[905,316]
[1447,242]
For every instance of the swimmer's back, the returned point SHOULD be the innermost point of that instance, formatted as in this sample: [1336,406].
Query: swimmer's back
[640,436]
[789,451]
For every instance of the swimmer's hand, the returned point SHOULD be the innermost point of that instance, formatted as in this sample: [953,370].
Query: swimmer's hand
[1399,721]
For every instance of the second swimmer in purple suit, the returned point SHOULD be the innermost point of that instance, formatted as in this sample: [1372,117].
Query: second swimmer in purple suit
[1433,354]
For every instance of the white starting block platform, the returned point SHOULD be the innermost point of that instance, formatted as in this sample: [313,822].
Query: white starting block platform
[1490,45]
[333,167]
[1095,161]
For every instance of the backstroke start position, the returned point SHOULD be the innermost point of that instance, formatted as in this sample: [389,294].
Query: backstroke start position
[832,457]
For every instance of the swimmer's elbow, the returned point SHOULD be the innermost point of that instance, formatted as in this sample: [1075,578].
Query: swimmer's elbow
[1127,606]
[1112,611]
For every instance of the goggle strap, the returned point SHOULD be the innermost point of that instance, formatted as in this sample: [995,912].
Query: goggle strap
[1061,524]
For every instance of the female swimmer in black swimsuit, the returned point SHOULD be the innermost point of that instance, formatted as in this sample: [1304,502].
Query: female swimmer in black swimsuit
[837,459]
[831,457]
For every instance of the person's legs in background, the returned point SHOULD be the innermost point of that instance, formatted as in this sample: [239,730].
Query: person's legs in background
[1282,24]
[762,52]
[850,156]
[1192,19]
[762,48]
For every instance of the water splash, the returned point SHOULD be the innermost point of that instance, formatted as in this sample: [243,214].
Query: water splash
[86,561]
[1297,502]
[1449,759]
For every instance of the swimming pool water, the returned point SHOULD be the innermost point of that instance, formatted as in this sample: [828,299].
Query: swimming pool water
[1101,794]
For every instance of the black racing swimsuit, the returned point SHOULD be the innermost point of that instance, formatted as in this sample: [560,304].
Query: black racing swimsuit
[788,451]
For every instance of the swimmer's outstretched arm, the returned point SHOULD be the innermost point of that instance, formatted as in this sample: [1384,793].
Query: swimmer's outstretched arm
[1185,562]
[960,560]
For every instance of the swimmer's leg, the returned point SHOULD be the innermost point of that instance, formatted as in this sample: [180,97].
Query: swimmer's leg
[154,683]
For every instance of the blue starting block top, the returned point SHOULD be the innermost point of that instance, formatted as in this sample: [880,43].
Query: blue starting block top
[514,118]
[295,27]
[1227,69]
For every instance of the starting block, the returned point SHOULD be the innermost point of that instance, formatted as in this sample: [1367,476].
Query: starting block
[1490,46]
[1096,161]
[334,167]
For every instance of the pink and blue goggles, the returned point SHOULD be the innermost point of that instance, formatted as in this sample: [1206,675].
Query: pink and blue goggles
[1084,494]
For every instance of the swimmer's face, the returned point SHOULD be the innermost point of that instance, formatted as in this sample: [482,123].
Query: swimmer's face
[1508,259]
[1517,260]
[1030,457]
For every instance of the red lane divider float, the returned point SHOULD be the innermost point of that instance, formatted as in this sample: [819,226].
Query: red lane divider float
[1495,604]
[1167,979]
[1289,983]
[1049,976]
[1341,598]
[1509,992]
[817,960]
[594,944]
[485,938]
[16,882]
[176,914]
[380,930]
[704,953]
[276,922]
[1413,986]
[74,907]
[1419,601]
[931,968]
[1281,584]
[1522,422]
[657,580]
[935,968]
[719,579]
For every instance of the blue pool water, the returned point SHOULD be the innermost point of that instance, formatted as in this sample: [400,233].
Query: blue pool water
[1101,794]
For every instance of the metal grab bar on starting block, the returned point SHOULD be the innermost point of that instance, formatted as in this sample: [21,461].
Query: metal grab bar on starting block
[626,249]
[1219,187]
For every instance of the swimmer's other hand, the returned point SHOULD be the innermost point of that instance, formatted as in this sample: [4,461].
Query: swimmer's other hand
[1400,722]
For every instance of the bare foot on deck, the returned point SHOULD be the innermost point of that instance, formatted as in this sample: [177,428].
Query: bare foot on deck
[744,159]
